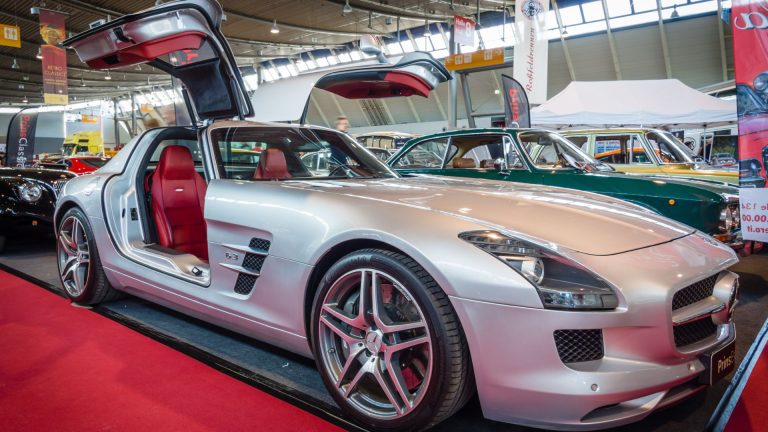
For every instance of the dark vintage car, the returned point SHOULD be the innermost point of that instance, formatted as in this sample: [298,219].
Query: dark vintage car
[749,173]
[27,200]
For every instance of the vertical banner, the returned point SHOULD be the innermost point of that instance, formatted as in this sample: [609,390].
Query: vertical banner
[532,48]
[749,19]
[516,107]
[20,149]
[463,30]
[54,57]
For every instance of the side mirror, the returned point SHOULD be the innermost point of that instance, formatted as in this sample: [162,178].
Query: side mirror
[500,164]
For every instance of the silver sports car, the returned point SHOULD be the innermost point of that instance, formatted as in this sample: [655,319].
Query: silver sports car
[561,309]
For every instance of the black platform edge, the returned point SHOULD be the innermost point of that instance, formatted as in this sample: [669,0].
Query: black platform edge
[730,398]
[309,404]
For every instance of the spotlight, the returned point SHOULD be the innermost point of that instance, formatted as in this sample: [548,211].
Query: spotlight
[275,29]
[25,100]
[347,8]
[674,12]
[15,64]
[39,53]
[107,76]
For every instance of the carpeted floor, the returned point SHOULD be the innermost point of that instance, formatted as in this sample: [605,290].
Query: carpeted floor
[66,369]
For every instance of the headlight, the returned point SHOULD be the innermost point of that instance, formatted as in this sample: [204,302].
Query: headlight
[561,283]
[730,218]
[30,192]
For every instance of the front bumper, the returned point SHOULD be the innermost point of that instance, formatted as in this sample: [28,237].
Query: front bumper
[521,378]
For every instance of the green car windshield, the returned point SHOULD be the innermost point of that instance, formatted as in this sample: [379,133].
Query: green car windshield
[551,151]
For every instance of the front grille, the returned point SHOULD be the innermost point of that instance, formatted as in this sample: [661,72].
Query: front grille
[694,293]
[58,185]
[253,262]
[579,345]
[244,284]
[259,244]
[693,332]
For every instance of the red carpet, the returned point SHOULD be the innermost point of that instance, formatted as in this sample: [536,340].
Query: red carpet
[751,411]
[69,369]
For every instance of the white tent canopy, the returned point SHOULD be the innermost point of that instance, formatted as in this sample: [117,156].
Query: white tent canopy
[643,102]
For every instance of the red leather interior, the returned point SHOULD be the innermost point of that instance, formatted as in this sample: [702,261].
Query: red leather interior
[272,165]
[394,84]
[149,50]
[178,195]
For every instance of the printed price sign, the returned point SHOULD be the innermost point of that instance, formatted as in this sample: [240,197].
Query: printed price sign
[754,214]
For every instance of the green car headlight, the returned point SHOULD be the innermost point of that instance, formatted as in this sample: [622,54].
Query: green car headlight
[730,218]
[560,282]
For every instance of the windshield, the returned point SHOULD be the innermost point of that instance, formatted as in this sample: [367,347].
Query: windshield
[68,148]
[260,153]
[551,151]
[668,148]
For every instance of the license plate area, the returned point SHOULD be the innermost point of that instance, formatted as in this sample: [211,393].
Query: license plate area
[718,364]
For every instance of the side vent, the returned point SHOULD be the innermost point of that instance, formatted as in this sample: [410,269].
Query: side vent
[251,266]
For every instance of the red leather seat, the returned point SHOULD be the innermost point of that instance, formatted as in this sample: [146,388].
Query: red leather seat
[178,195]
[272,165]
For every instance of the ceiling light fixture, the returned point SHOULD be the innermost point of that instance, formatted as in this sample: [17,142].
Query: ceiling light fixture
[25,77]
[25,100]
[107,76]
[565,31]
[15,64]
[275,29]
[347,9]
[674,12]
[21,86]
[82,82]
[427,31]
[39,55]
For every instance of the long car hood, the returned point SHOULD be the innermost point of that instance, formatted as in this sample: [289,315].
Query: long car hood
[583,222]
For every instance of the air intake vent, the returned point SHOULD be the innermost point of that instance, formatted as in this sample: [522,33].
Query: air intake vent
[693,332]
[253,262]
[575,346]
[259,244]
[244,284]
[694,293]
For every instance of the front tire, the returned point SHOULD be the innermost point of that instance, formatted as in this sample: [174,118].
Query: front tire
[82,275]
[388,344]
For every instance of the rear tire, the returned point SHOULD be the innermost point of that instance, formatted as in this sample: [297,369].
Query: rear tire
[80,270]
[399,362]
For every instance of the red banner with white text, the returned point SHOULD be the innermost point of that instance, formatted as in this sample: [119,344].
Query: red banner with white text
[54,57]
[749,19]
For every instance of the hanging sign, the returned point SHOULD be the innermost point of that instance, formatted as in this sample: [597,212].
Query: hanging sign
[20,149]
[749,19]
[86,118]
[531,51]
[463,30]
[517,111]
[479,58]
[10,36]
[54,57]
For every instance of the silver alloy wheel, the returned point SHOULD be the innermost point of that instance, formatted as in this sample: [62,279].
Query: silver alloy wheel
[74,256]
[375,344]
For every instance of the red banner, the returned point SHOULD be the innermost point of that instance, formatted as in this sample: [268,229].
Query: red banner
[54,57]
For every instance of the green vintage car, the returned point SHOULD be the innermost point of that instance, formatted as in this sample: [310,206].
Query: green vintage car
[505,154]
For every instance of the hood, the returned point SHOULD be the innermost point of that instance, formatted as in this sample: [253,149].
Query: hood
[46,175]
[579,221]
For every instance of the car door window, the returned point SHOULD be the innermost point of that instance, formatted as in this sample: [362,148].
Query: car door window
[477,151]
[426,154]
[580,141]
[620,149]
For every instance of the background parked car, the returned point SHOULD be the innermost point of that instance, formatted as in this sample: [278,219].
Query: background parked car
[76,164]
[542,157]
[723,160]
[27,201]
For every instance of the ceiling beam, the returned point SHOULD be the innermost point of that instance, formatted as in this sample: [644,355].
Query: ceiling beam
[566,51]
[664,43]
[96,10]
[611,42]
[721,34]
[379,8]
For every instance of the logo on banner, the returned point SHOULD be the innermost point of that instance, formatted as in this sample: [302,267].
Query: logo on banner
[531,8]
